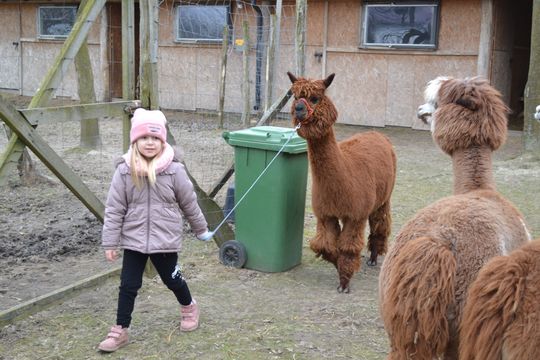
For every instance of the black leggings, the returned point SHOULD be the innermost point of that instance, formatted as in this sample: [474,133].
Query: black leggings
[133,266]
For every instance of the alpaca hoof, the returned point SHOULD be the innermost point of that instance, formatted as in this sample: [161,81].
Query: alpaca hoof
[371,262]
[343,290]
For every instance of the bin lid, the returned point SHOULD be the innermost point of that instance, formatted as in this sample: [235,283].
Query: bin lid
[267,138]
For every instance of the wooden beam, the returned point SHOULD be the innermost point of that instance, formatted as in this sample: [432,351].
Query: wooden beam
[246,112]
[300,37]
[128,64]
[223,75]
[46,154]
[277,106]
[40,303]
[79,112]
[270,64]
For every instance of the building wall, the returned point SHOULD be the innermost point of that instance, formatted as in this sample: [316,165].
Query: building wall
[373,87]
[384,87]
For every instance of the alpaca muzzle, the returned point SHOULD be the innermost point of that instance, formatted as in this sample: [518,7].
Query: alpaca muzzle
[302,111]
[425,112]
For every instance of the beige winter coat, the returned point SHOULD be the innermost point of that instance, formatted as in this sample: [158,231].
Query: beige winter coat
[150,220]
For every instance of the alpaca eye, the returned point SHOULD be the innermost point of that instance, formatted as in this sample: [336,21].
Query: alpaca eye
[314,99]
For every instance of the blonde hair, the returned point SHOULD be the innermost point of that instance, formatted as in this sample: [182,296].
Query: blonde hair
[148,168]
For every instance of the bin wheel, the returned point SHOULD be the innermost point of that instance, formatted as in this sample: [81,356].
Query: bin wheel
[232,253]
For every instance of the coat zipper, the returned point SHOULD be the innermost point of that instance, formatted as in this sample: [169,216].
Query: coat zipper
[148,219]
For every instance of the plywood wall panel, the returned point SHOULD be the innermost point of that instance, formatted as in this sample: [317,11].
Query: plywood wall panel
[343,23]
[401,105]
[459,29]
[359,88]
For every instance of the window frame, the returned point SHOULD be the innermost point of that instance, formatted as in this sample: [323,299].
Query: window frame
[39,22]
[184,40]
[435,21]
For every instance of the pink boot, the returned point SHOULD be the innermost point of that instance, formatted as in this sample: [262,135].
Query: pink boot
[190,317]
[117,338]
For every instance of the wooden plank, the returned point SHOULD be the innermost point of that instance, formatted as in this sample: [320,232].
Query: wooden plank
[79,112]
[46,154]
[40,303]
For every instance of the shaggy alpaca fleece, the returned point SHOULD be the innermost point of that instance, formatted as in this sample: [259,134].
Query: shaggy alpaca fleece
[501,318]
[437,254]
[352,181]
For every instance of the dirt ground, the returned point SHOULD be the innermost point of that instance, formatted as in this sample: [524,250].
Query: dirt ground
[48,240]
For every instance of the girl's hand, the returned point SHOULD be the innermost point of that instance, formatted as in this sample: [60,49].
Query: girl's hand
[111,255]
[205,236]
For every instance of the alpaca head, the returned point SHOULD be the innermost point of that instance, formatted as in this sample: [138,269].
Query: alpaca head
[311,107]
[537,113]
[464,113]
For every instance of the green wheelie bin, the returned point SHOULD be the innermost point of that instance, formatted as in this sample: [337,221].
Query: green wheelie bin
[270,217]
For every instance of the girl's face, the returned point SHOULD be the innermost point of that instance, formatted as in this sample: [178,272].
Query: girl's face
[149,146]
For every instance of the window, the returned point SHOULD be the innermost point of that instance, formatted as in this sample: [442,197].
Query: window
[400,25]
[201,23]
[55,21]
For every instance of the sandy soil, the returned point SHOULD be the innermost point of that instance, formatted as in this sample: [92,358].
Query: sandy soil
[48,239]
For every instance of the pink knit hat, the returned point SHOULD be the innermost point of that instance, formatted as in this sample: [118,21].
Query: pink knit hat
[148,123]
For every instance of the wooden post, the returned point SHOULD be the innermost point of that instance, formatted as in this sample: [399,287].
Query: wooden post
[485,47]
[87,95]
[128,64]
[149,48]
[153,42]
[325,39]
[223,74]
[531,127]
[270,64]
[300,38]
[245,84]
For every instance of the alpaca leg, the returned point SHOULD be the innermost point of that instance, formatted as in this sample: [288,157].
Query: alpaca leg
[380,224]
[324,242]
[350,244]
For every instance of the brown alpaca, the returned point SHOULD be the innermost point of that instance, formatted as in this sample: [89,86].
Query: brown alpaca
[501,317]
[352,181]
[438,253]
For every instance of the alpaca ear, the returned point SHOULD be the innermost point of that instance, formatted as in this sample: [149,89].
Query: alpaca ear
[292,77]
[328,80]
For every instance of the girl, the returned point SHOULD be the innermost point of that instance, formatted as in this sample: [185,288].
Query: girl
[150,190]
